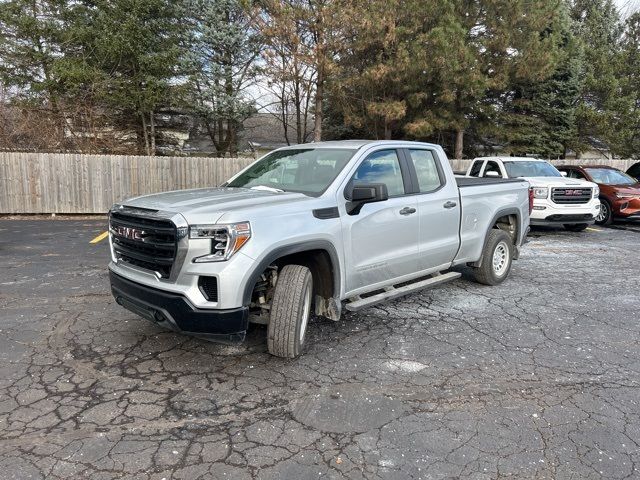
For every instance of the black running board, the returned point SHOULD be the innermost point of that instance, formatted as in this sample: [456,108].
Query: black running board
[358,303]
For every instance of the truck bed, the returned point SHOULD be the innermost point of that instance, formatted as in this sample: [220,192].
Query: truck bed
[481,200]
[476,181]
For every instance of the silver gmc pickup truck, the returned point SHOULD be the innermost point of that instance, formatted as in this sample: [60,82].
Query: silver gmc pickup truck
[311,229]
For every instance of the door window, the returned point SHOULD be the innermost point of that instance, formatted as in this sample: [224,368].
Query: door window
[381,167]
[426,170]
[475,169]
[575,174]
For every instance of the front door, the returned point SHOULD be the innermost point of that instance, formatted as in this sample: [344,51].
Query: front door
[381,241]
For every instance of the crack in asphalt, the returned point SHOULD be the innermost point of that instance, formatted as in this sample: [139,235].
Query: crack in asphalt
[536,378]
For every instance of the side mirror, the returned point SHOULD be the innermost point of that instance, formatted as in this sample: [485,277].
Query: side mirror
[361,194]
[563,173]
[492,174]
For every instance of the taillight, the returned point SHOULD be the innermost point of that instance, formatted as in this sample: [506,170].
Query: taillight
[530,200]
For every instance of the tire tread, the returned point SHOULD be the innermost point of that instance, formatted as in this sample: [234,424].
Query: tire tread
[286,311]
[484,273]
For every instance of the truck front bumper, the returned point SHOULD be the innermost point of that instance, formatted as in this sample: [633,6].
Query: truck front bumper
[546,212]
[561,219]
[175,311]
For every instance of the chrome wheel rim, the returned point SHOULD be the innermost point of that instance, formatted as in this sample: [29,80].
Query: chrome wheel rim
[500,259]
[603,212]
[306,312]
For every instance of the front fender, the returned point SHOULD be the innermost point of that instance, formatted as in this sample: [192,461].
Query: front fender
[285,250]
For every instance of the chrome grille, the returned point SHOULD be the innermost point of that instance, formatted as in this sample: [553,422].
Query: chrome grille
[147,243]
[571,196]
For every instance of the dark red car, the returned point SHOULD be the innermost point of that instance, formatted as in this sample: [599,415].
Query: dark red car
[619,193]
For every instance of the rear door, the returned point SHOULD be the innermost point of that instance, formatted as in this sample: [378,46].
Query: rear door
[438,209]
[381,241]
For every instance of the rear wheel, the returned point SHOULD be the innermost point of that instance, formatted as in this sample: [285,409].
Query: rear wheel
[575,227]
[290,311]
[605,217]
[496,260]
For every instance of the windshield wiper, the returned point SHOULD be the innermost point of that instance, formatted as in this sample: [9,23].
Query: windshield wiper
[267,189]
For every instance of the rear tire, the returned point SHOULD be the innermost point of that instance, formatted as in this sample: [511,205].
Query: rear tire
[575,227]
[290,311]
[605,216]
[496,259]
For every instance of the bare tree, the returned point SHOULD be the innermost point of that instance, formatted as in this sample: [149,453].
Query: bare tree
[289,78]
[303,39]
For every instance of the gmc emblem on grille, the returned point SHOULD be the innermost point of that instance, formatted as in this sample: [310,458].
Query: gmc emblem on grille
[130,233]
[573,192]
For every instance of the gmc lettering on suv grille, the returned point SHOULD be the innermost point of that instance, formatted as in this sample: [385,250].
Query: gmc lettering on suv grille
[571,196]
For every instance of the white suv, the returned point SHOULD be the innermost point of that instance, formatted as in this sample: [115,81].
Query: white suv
[556,200]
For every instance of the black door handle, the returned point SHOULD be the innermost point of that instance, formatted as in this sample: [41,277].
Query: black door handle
[407,211]
[450,204]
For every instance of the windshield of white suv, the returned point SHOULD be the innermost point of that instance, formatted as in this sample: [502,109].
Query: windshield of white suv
[305,170]
[530,169]
[609,176]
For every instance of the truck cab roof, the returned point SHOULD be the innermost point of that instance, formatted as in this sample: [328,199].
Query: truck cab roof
[357,144]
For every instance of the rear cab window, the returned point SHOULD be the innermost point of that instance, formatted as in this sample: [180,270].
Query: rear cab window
[492,166]
[475,168]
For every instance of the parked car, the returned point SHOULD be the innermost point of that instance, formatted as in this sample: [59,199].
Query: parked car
[557,200]
[306,229]
[619,192]
[634,171]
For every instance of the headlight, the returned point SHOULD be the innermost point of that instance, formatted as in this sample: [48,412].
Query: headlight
[627,195]
[540,192]
[225,239]
[596,191]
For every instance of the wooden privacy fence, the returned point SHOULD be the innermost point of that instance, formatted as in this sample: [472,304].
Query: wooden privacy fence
[78,183]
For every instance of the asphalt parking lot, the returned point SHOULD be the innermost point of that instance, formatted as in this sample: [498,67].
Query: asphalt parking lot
[536,378]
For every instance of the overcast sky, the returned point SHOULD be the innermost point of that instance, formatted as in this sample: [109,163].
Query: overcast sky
[627,7]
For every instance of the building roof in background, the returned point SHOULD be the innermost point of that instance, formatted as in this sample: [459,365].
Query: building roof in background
[265,130]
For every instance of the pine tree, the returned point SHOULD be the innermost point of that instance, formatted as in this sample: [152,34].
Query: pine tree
[625,137]
[32,36]
[540,117]
[220,66]
[476,52]
[599,29]
[425,67]
[136,47]
[369,89]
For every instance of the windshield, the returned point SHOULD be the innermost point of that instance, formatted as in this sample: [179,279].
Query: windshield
[609,176]
[530,169]
[304,170]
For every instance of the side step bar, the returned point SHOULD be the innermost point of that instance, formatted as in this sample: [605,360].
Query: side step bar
[358,303]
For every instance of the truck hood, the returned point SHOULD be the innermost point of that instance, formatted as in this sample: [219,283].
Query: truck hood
[209,204]
[557,182]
